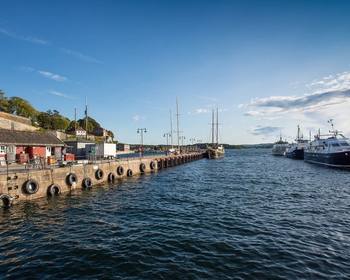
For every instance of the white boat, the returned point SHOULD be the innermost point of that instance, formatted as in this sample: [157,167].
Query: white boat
[279,147]
[216,150]
[296,149]
[330,149]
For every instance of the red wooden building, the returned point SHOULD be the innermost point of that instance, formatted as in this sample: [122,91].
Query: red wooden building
[19,146]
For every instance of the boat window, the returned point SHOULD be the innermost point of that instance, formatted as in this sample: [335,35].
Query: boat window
[335,144]
[344,143]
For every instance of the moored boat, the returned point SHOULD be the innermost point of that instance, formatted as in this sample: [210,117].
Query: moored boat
[296,150]
[279,147]
[216,150]
[329,149]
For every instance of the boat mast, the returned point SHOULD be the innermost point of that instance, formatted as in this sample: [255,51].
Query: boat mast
[178,128]
[298,135]
[217,127]
[212,130]
[171,129]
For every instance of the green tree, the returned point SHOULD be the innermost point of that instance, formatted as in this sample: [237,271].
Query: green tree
[90,127]
[21,107]
[90,120]
[110,133]
[52,120]
[4,103]
[44,120]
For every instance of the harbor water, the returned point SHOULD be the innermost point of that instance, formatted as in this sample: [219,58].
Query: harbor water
[249,215]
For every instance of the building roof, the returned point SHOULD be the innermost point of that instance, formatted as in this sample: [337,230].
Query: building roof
[77,139]
[28,138]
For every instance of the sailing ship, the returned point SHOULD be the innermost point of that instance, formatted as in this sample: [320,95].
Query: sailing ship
[296,150]
[330,149]
[216,150]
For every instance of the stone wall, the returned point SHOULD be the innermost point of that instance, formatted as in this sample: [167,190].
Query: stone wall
[14,184]
[9,121]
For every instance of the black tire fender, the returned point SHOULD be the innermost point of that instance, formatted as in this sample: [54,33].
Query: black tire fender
[72,178]
[142,167]
[6,200]
[129,173]
[152,165]
[111,177]
[87,182]
[120,170]
[99,174]
[31,187]
[53,190]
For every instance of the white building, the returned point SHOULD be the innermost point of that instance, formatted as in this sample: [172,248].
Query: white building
[101,150]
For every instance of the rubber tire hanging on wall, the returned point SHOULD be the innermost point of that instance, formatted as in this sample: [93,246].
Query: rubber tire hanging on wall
[120,170]
[72,178]
[87,182]
[152,165]
[6,200]
[142,167]
[31,187]
[129,173]
[99,174]
[111,177]
[53,190]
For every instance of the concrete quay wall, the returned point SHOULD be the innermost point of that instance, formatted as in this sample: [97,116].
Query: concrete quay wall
[33,184]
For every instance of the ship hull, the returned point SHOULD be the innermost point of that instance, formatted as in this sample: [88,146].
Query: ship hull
[295,154]
[341,159]
[214,154]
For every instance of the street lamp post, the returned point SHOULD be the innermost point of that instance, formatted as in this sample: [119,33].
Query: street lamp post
[141,144]
[192,140]
[199,141]
[182,141]
[167,135]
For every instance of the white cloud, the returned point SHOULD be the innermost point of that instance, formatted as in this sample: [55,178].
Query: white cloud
[253,113]
[81,56]
[223,110]
[138,117]
[315,83]
[264,130]
[198,111]
[23,38]
[52,76]
[61,94]
[328,77]
[25,68]
[329,92]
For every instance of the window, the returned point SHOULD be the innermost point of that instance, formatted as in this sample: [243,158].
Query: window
[344,144]
[2,149]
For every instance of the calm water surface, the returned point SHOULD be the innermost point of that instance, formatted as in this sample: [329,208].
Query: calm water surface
[247,216]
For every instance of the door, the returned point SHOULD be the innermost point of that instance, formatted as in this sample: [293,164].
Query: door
[48,151]
[11,154]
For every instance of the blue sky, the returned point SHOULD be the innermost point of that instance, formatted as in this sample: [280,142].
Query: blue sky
[267,65]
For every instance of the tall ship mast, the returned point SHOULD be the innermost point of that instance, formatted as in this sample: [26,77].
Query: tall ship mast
[216,150]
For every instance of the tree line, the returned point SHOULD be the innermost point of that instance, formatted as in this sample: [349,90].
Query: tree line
[50,120]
